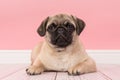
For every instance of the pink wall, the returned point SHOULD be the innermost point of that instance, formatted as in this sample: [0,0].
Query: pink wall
[19,20]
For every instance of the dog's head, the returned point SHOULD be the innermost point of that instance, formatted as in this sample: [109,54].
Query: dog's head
[60,29]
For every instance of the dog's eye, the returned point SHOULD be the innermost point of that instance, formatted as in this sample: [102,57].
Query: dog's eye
[69,26]
[52,26]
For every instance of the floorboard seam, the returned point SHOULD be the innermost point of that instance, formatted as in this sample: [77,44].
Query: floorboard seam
[106,76]
[55,76]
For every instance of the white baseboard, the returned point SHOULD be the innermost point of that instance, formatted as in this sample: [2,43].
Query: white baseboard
[23,56]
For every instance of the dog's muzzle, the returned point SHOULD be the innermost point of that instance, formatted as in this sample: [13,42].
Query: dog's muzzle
[61,31]
[61,38]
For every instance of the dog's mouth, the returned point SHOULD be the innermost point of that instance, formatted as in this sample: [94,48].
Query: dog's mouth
[61,37]
[62,41]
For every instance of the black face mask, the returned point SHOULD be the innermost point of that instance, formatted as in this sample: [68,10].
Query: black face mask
[61,35]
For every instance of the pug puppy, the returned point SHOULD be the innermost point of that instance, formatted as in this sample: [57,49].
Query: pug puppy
[62,50]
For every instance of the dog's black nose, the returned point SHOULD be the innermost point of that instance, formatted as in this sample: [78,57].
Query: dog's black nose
[60,30]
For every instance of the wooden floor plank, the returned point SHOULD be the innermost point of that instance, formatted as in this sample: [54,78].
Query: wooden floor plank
[44,76]
[17,72]
[62,76]
[21,75]
[74,77]
[94,76]
[112,71]
[65,76]
[8,69]
[70,78]
[54,76]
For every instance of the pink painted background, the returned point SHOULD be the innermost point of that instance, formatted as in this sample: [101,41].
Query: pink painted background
[19,20]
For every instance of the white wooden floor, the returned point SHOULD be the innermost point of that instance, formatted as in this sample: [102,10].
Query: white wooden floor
[17,72]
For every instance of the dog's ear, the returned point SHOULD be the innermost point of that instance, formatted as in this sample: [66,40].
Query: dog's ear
[80,24]
[42,28]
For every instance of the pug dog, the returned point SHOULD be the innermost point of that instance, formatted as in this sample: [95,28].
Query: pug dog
[62,49]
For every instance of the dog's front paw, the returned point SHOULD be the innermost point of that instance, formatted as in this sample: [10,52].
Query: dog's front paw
[75,71]
[34,70]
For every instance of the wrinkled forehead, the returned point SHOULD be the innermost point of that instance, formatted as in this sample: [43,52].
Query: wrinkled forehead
[60,19]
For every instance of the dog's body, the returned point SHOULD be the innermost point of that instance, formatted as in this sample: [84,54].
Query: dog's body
[61,53]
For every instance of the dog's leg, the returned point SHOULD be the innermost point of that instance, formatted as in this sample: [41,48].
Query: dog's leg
[36,68]
[35,52]
[86,67]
